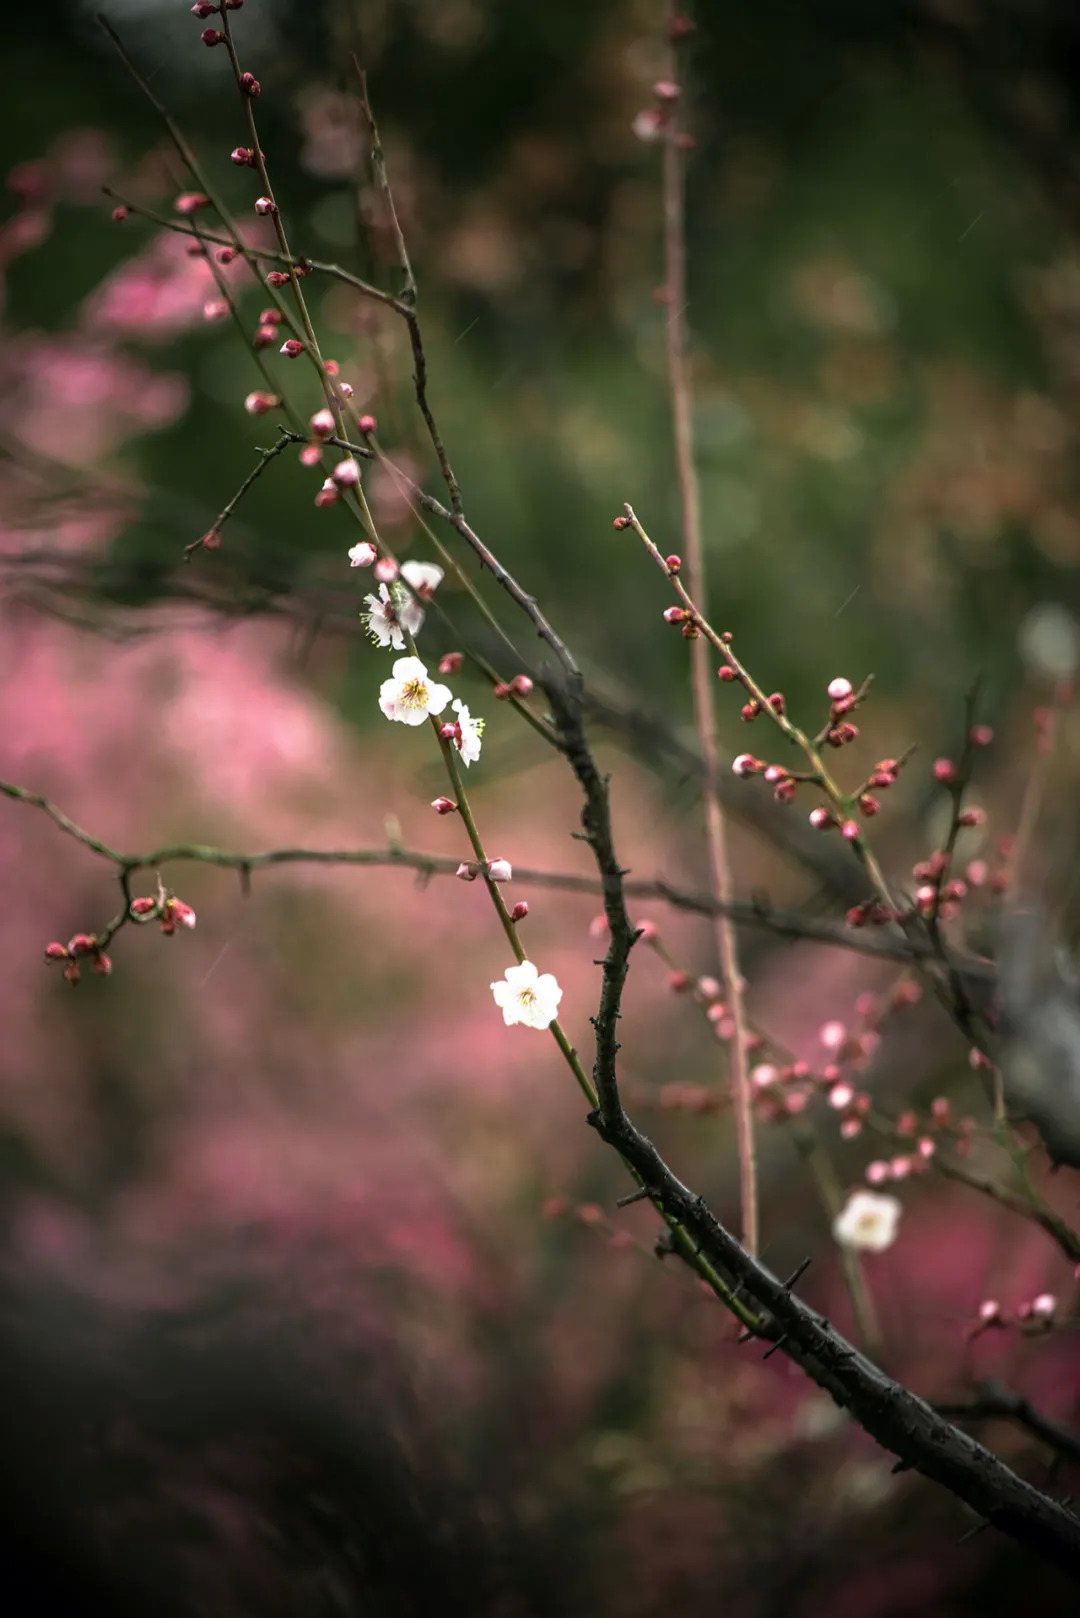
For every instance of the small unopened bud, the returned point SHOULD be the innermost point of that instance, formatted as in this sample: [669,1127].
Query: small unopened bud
[726,672]
[674,615]
[443,806]
[839,688]
[690,630]
[322,423]
[265,206]
[189,202]
[499,870]
[1044,1307]
[451,662]
[225,255]
[679,982]
[990,1312]
[776,702]
[521,685]
[467,873]
[264,336]
[203,9]
[821,819]
[212,36]
[501,691]
[82,944]
[291,348]
[211,540]
[850,830]
[944,770]
[665,90]
[249,84]
[215,309]
[101,964]
[520,910]
[277,278]
[311,455]
[243,157]
[679,28]
[143,907]
[362,554]
[55,952]
[621,522]
[119,215]
[750,710]
[745,764]
[366,424]
[868,805]
[385,570]
[974,816]
[981,736]
[346,473]
[328,496]
[673,563]
[258,404]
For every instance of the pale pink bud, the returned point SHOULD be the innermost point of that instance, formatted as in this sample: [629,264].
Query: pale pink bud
[977,872]
[674,615]
[362,554]
[762,1076]
[346,473]
[243,157]
[877,1172]
[55,952]
[499,870]
[981,736]
[598,927]
[291,348]
[264,336]
[708,988]
[143,907]
[972,817]
[443,806]
[311,455]
[821,819]
[322,423]
[328,496]
[385,570]
[673,563]
[944,770]
[850,1127]
[901,1168]
[989,1311]
[1044,1307]
[679,982]
[189,202]
[839,688]
[647,126]
[451,662]
[119,214]
[832,1035]
[101,964]
[215,309]
[926,1148]
[841,1096]
[520,910]
[648,930]
[203,9]
[666,90]
[259,404]
[521,685]
[265,206]
[467,873]
[850,830]
[745,764]
[366,424]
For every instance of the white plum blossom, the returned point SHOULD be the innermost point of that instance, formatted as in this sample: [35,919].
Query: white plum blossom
[363,554]
[390,614]
[468,743]
[527,996]
[867,1221]
[411,696]
[424,577]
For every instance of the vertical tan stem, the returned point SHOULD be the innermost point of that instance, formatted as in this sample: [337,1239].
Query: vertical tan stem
[679,384]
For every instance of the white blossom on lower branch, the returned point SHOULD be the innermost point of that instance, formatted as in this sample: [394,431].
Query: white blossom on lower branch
[390,614]
[527,996]
[410,696]
[867,1222]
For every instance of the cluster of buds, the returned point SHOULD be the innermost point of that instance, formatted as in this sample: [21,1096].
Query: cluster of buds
[843,699]
[1037,1315]
[83,947]
[495,870]
[266,330]
[519,686]
[685,619]
[170,911]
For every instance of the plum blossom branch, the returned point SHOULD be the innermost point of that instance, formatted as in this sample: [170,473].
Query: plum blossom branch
[212,538]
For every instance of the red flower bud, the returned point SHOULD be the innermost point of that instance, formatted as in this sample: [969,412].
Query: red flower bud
[366,424]
[243,157]
[119,215]
[212,36]
[520,911]
[291,348]
[443,806]
[249,84]
[277,278]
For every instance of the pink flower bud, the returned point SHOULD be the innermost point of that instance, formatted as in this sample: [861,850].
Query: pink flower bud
[981,736]
[264,336]
[119,215]
[225,255]
[841,1096]
[877,1173]
[944,770]
[1044,1307]
[521,685]
[258,404]
[868,805]
[832,1035]
[265,206]
[977,872]
[328,496]
[501,690]
[143,907]
[346,473]
[725,672]
[71,972]
[203,9]
[188,202]
[443,806]
[249,84]
[366,424]
[776,702]
[291,348]
[679,982]
[212,36]
[277,278]
[821,819]
[467,873]
[55,952]
[215,309]
[520,910]
[990,1311]
[243,157]
[385,570]
[82,944]
[666,90]
[850,830]
[785,792]
[972,817]
[774,773]
[708,988]
[673,563]
[598,927]
[499,870]
[363,554]
[749,711]
[451,663]
[101,964]
[322,423]
[839,688]
[745,764]
[674,615]
[311,455]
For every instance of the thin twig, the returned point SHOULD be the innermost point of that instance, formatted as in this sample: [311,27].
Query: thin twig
[994,1402]
[266,456]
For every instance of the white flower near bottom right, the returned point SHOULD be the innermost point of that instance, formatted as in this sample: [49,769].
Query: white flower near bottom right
[867,1222]
[527,996]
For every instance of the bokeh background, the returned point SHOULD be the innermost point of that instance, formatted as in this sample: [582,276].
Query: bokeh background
[314,1296]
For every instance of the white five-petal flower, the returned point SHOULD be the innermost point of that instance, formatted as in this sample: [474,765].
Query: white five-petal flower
[471,731]
[867,1221]
[390,614]
[424,577]
[527,996]
[410,696]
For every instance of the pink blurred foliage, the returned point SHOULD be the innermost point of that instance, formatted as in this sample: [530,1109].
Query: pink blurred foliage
[159,293]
